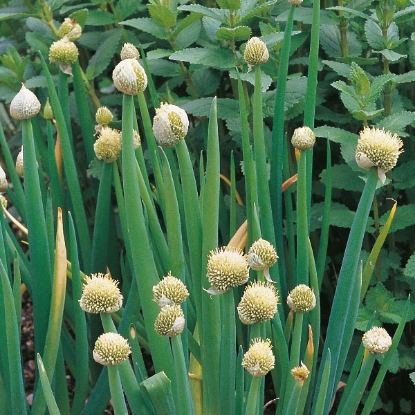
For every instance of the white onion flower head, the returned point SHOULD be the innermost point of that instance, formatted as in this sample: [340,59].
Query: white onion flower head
[259,359]
[170,321]
[301,299]
[169,291]
[3,180]
[227,268]
[378,148]
[170,125]
[100,294]
[300,373]
[377,340]
[19,163]
[256,52]
[111,349]
[108,145]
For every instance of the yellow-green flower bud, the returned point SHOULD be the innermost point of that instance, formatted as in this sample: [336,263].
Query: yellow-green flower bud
[295,2]
[170,321]
[301,299]
[19,163]
[103,116]
[261,255]
[303,138]
[47,111]
[170,125]
[169,291]
[71,29]
[111,349]
[300,373]
[377,340]
[226,268]
[108,145]
[256,52]
[129,51]
[3,180]
[259,359]
[100,294]
[129,77]
[63,51]
[24,105]
[259,303]
[3,201]
[378,148]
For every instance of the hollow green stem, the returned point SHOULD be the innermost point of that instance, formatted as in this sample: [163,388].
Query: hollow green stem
[117,395]
[253,398]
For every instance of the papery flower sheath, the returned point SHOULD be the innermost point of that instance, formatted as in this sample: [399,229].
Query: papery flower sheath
[170,125]
[24,105]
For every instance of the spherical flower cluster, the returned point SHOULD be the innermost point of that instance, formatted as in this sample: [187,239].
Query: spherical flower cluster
[261,255]
[70,29]
[303,138]
[378,148]
[169,291]
[63,51]
[295,2]
[301,299]
[170,321]
[24,105]
[300,373]
[108,145]
[19,163]
[377,340]
[226,268]
[256,52]
[103,116]
[170,125]
[136,139]
[111,349]
[129,77]
[100,294]
[129,51]
[259,359]
[259,303]
[3,180]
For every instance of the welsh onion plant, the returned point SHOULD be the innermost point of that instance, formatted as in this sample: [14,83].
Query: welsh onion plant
[146,271]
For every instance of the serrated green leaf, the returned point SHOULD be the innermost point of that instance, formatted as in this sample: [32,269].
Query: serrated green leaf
[363,317]
[343,69]
[187,21]
[350,102]
[343,87]
[392,56]
[95,168]
[379,299]
[102,57]
[36,42]
[13,12]
[205,81]
[409,270]
[159,53]
[404,217]
[217,14]
[250,77]
[376,87]
[80,16]
[374,35]
[360,61]
[249,10]
[125,8]
[162,15]
[305,15]
[337,135]
[359,79]
[363,115]
[330,40]
[396,123]
[227,108]
[189,35]
[394,313]
[99,18]
[350,11]
[216,58]
[403,177]
[273,38]
[146,24]
[239,33]
[405,77]
[162,67]
[343,177]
